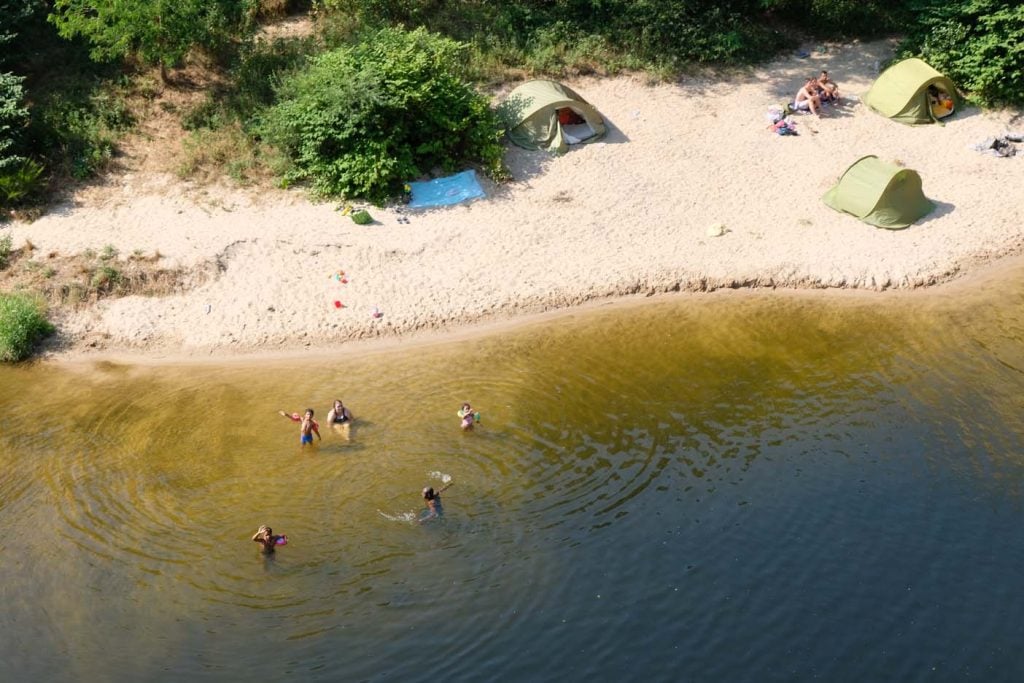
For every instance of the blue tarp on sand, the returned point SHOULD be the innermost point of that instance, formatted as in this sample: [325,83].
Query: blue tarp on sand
[460,187]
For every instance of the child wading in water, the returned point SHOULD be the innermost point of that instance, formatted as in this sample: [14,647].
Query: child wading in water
[433,500]
[468,416]
[268,540]
[307,428]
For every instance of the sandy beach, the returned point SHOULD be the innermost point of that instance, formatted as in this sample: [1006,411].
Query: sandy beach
[629,215]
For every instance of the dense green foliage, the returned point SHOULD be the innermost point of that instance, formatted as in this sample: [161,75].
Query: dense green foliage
[157,31]
[13,15]
[13,117]
[18,175]
[977,43]
[23,324]
[372,111]
[75,108]
[630,32]
[842,18]
[361,120]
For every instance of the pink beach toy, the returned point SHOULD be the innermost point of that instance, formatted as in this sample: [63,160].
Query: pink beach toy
[338,304]
[376,313]
[282,541]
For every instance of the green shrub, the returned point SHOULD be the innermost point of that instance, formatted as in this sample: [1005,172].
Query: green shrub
[364,119]
[76,122]
[5,251]
[107,278]
[23,324]
[155,32]
[20,182]
[19,176]
[977,43]
[679,31]
[549,34]
[843,18]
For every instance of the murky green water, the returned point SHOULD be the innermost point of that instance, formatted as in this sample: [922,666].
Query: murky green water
[757,488]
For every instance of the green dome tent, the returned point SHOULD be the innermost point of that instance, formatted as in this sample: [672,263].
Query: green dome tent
[901,93]
[879,193]
[548,115]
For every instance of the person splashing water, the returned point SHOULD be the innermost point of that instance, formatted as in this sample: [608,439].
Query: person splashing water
[433,500]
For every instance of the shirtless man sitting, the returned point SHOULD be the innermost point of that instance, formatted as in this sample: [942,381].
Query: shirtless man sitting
[828,87]
[807,98]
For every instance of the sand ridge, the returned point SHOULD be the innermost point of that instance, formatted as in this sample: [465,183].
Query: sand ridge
[628,215]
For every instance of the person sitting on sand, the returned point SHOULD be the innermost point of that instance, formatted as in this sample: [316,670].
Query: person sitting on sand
[468,416]
[267,540]
[828,89]
[339,414]
[807,98]
[308,426]
[433,499]
[940,103]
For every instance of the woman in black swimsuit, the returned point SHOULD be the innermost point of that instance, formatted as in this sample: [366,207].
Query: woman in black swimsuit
[339,414]
[340,419]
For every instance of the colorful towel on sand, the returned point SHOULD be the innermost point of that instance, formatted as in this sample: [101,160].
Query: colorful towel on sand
[460,187]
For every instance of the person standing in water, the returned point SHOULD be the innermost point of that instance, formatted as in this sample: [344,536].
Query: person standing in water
[307,427]
[340,418]
[339,414]
[433,500]
[468,416]
[267,539]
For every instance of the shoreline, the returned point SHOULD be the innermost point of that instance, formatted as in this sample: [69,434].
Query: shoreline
[627,218]
[79,357]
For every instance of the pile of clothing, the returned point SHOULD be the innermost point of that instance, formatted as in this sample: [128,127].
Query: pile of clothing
[1002,146]
[780,122]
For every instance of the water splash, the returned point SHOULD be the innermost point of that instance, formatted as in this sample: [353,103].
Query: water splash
[407,517]
[444,478]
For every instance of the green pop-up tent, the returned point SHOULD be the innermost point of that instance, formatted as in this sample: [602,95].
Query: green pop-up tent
[879,193]
[901,93]
[548,115]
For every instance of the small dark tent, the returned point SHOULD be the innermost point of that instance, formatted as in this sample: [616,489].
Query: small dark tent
[879,193]
[912,92]
[548,115]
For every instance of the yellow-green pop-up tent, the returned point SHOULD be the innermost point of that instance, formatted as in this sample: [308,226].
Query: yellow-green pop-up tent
[879,193]
[901,93]
[548,115]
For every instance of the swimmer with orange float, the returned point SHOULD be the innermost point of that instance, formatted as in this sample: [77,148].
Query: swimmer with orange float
[307,428]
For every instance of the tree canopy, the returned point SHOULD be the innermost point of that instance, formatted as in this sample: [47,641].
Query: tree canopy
[157,31]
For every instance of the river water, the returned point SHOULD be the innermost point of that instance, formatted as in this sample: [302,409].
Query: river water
[765,487]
